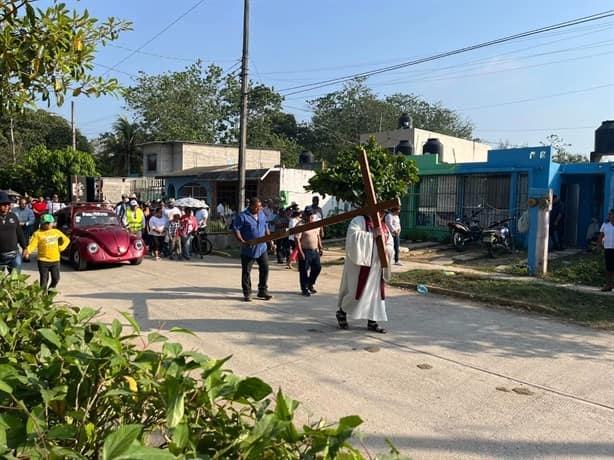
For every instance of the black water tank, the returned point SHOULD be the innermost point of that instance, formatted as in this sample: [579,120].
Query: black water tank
[404,121]
[404,147]
[604,138]
[432,146]
[306,157]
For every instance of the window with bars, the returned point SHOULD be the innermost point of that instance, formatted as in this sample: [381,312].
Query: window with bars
[487,194]
[437,200]
[522,193]
[194,190]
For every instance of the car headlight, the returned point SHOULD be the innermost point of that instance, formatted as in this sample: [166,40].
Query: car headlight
[138,245]
[92,248]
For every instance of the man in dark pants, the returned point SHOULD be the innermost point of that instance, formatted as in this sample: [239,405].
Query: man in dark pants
[309,247]
[249,224]
[10,235]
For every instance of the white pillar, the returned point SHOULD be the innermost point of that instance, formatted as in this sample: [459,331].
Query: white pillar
[543,229]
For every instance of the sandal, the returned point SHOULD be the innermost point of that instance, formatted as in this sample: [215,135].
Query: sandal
[342,319]
[373,326]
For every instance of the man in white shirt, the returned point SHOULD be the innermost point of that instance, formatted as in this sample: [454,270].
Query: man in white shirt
[220,211]
[171,209]
[201,215]
[606,241]
[54,205]
[394,227]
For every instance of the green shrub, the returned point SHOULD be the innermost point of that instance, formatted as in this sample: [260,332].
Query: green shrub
[73,387]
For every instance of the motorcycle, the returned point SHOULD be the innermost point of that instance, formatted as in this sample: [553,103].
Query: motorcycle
[498,238]
[466,230]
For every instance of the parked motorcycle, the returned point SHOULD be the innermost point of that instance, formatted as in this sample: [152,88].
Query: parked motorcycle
[498,238]
[466,230]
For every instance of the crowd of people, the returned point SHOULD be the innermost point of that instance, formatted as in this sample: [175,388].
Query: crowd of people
[27,226]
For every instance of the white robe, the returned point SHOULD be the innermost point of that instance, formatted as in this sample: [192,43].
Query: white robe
[361,250]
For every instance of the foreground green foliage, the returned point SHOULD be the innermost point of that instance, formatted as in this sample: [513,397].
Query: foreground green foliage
[71,387]
[593,310]
[48,53]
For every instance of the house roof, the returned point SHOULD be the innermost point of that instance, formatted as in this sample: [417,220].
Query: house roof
[220,173]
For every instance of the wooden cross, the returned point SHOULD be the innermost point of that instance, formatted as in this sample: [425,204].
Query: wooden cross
[371,209]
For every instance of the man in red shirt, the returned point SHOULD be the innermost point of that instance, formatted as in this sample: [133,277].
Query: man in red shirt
[39,208]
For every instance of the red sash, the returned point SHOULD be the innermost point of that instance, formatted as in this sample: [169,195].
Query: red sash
[364,270]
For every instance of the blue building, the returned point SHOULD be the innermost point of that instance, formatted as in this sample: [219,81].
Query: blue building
[501,187]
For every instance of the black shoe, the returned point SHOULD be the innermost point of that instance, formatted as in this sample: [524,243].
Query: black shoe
[312,290]
[306,293]
[247,298]
[264,295]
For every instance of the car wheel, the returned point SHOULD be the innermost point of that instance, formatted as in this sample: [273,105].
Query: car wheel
[136,261]
[78,262]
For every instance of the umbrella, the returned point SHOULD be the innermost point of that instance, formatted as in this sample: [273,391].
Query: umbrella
[189,202]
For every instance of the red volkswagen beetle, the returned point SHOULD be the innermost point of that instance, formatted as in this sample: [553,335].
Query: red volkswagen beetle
[97,237]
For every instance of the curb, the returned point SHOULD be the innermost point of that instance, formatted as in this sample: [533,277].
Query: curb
[499,301]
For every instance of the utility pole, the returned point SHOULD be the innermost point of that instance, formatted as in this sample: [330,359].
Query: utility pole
[243,114]
[73,125]
[13,142]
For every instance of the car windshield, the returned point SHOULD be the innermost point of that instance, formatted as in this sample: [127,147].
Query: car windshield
[88,218]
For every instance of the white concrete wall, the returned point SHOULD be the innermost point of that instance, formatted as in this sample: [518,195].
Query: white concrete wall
[292,181]
[455,150]
[177,156]
[114,187]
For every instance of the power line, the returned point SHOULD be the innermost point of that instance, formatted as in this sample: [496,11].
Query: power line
[332,81]
[591,30]
[121,61]
[522,130]
[576,91]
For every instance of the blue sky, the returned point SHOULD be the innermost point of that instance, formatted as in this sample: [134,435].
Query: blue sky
[564,78]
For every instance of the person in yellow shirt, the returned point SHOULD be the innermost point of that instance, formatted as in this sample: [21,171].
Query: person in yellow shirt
[49,242]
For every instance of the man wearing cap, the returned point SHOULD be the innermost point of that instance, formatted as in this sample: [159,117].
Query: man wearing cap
[135,219]
[11,236]
[171,209]
[121,209]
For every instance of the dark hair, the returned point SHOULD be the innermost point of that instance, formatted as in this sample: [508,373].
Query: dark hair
[253,201]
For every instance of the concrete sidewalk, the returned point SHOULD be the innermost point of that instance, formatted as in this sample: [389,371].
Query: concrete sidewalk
[451,380]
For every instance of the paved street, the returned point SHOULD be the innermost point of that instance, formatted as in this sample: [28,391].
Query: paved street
[461,407]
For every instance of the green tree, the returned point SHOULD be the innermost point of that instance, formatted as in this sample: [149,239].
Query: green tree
[391,175]
[184,106]
[268,126]
[36,127]
[46,171]
[49,53]
[342,116]
[561,150]
[200,105]
[119,153]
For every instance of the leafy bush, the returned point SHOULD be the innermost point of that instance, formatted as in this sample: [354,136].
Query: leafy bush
[72,387]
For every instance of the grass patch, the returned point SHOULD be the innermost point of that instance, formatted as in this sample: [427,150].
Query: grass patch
[588,309]
[582,268]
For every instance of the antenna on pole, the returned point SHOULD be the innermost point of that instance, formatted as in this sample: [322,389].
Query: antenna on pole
[243,114]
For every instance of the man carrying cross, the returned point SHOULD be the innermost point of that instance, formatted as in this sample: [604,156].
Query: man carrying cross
[361,293]
[368,245]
